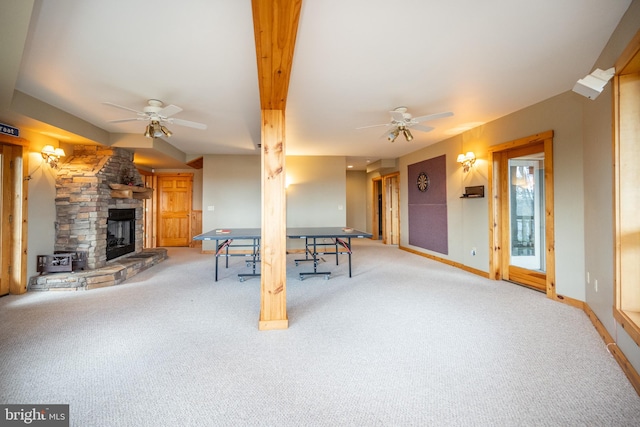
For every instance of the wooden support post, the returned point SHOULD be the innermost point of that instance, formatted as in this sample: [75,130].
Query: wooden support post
[273,256]
[275,26]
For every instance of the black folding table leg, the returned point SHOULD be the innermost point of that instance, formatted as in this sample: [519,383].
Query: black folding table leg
[216,267]
[349,252]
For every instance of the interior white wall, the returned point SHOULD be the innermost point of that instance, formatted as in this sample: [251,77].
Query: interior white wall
[317,191]
[454,204]
[468,219]
[598,185]
[357,199]
[316,194]
[231,193]
[41,209]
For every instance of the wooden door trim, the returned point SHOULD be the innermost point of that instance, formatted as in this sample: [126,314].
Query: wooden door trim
[149,223]
[375,231]
[497,155]
[15,187]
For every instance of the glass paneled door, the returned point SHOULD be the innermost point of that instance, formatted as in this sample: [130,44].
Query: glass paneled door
[524,225]
[526,216]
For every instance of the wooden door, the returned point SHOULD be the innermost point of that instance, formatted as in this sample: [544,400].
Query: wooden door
[391,204]
[174,209]
[522,212]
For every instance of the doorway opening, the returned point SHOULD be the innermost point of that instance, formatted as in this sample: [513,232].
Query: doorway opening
[386,209]
[377,209]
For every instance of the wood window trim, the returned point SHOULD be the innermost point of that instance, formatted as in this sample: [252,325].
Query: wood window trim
[626,155]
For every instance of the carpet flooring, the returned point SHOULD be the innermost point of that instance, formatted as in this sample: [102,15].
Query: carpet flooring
[406,341]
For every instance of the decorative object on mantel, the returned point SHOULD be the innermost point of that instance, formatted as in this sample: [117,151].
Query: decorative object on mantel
[128,177]
[473,192]
[122,191]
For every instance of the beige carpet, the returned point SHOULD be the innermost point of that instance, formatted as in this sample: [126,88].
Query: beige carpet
[405,342]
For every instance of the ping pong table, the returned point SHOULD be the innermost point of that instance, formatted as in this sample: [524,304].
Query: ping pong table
[316,245]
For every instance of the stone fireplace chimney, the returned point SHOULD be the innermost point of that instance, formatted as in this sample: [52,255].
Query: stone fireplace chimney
[84,198]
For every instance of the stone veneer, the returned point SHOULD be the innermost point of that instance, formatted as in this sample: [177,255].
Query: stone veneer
[83,200]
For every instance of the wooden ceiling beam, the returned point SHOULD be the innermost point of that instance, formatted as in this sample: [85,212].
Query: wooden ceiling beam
[275,24]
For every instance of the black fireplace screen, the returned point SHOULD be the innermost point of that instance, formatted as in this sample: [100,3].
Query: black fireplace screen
[121,237]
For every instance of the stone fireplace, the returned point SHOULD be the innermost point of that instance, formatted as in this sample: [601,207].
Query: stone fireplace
[88,218]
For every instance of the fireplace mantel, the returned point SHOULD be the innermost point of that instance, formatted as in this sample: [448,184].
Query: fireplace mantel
[122,191]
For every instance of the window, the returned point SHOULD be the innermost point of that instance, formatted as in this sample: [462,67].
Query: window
[627,190]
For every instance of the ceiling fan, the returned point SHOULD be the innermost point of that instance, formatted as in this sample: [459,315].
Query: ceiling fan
[401,121]
[157,114]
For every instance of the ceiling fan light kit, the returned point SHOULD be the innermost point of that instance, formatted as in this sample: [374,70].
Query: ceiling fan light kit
[157,114]
[393,134]
[155,129]
[401,121]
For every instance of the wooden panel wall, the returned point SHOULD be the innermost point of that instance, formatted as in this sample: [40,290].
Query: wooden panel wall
[196,227]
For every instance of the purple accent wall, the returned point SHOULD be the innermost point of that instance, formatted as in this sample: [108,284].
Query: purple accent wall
[428,210]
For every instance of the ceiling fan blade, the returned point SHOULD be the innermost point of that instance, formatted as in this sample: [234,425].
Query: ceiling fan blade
[422,128]
[123,108]
[431,117]
[187,123]
[372,126]
[169,110]
[127,120]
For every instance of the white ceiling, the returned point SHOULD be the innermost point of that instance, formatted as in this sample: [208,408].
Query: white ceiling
[354,61]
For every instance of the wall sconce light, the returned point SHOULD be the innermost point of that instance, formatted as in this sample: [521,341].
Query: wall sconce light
[467,160]
[52,155]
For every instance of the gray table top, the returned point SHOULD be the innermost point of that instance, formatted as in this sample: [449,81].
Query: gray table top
[293,233]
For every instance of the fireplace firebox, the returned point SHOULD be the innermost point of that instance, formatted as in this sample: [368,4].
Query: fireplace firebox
[121,225]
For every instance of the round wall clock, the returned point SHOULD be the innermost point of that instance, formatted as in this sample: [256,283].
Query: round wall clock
[423,182]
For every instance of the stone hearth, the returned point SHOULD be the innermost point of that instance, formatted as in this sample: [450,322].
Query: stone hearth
[114,273]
